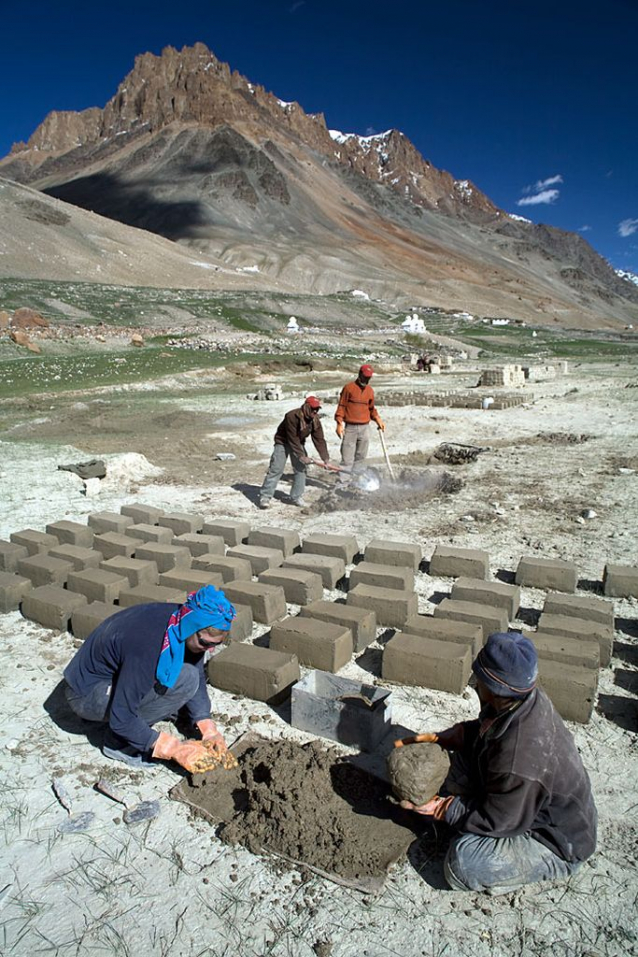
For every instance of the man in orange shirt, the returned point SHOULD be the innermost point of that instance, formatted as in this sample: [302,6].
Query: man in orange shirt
[355,410]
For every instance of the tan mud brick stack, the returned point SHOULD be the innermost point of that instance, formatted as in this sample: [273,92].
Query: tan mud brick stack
[317,644]
[86,618]
[189,579]
[151,534]
[97,585]
[300,587]
[565,650]
[144,594]
[10,555]
[490,618]
[51,606]
[79,557]
[200,544]
[391,606]
[362,622]
[495,594]
[330,568]
[258,673]
[446,630]
[165,557]
[282,539]
[268,602]
[233,533]
[383,576]
[571,688]
[13,588]
[142,514]
[344,547]
[36,543]
[427,662]
[550,574]
[242,626]
[260,558]
[452,562]
[44,570]
[102,522]
[231,569]
[621,581]
[72,533]
[181,523]
[114,545]
[135,570]
[572,627]
[401,554]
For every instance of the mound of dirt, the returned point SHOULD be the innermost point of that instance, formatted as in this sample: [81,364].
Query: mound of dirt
[411,488]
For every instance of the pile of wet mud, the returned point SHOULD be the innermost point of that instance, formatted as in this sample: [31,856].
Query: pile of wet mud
[410,489]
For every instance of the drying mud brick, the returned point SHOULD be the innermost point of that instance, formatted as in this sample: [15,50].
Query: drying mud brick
[577,628]
[300,587]
[201,544]
[621,581]
[547,573]
[442,629]
[85,619]
[507,597]
[268,602]
[142,514]
[258,673]
[43,570]
[150,533]
[102,522]
[417,771]
[181,523]
[586,607]
[10,555]
[383,576]
[404,554]
[135,570]
[51,606]
[114,545]
[242,626]
[451,562]
[317,644]
[581,652]
[362,622]
[344,547]
[71,533]
[233,533]
[572,690]
[79,557]
[331,569]
[489,618]
[36,543]
[416,660]
[143,594]
[165,557]
[97,585]
[231,569]
[391,607]
[261,559]
[13,588]
[283,539]
[189,579]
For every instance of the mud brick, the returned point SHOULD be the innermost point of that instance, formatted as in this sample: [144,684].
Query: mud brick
[547,573]
[621,581]
[13,588]
[114,545]
[71,533]
[189,579]
[392,607]
[585,607]
[144,594]
[51,606]
[258,673]
[317,644]
[489,618]
[385,576]
[135,570]
[233,533]
[231,569]
[444,629]
[85,619]
[581,652]
[97,584]
[331,569]
[150,533]
[417,660]
[10,555]
[142,514]
[164,556]
[404,554]
[496,594]
[362,622]
[43,570]
[79,557]
[268,602]
[242,626]
[181,523]
[36,543]
[283,539]
[300,587]
[344,547]
[578,628]
[201,544]
[102,522]
[572,690]
[261,559]
[450,562]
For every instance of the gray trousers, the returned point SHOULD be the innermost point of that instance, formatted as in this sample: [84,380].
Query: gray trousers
[276,469]
[354,449]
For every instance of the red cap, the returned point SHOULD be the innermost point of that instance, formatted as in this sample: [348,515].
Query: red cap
[366,371]
[313,402]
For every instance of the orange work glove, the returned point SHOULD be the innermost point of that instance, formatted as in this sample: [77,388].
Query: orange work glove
[169,748]
[451,739]
[340,429]
[435,807]
[381,425]
[210,734]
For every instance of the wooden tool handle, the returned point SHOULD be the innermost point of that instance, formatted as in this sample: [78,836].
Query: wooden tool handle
[417,739]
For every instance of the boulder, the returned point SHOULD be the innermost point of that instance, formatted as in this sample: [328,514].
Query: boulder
[25,318]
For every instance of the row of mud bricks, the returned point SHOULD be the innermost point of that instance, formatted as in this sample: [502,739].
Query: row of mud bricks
[74,576]
[456,400]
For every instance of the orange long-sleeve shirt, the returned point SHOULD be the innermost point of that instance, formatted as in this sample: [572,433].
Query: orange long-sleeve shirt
[356,405]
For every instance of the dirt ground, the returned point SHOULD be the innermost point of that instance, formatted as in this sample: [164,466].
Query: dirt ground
[169,886]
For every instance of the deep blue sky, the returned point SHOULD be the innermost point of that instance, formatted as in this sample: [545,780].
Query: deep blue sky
[506,93]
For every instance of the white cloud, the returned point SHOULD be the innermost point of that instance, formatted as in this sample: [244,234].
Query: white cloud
[584,229]
[628,227]
[542,184]
[370,131]
[547,196]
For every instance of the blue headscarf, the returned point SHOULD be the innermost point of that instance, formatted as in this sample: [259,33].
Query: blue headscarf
[206,608]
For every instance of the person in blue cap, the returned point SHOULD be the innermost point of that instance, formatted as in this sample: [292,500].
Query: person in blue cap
[517,794]
[141,666]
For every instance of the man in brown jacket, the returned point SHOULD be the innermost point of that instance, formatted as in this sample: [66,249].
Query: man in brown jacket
[290,437]
[355,410]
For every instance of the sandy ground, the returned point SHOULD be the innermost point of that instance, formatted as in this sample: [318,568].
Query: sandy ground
[169,886]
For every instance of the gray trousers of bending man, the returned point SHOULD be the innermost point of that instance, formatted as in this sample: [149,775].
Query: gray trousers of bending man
[354,449]
[276,468]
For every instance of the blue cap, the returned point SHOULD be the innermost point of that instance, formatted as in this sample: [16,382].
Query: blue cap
[507,665]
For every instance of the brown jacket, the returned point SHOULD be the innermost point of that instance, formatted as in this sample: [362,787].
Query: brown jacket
[295,428]
[356,405]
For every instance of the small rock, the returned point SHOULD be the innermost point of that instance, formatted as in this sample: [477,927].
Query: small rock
[589,513]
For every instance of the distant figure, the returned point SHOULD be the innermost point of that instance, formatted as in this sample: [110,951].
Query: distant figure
[355,410]
[290,437]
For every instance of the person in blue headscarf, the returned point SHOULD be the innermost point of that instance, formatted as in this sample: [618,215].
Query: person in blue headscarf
[142,665]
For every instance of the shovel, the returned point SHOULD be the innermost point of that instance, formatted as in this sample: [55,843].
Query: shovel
[74,822]
[144,811]
[386,456]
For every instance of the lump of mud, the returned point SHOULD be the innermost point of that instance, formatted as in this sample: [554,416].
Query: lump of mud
[417,771]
